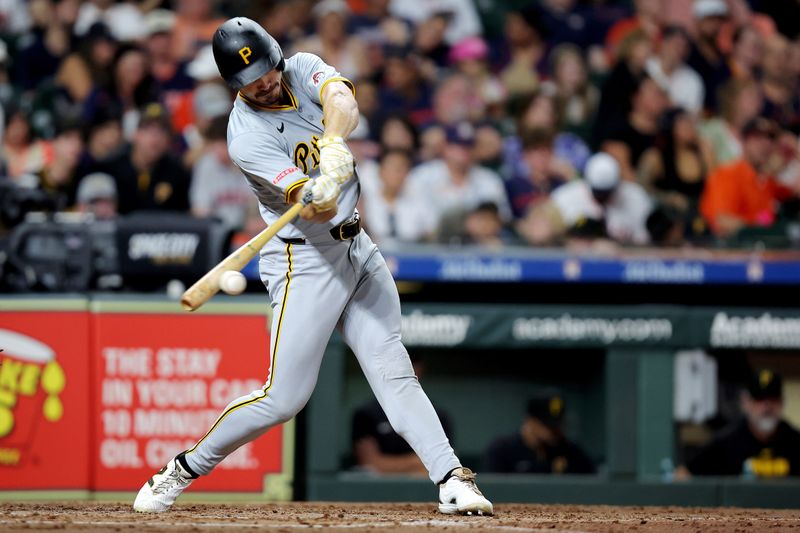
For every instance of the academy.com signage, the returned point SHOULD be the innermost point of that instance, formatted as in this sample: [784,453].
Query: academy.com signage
[440,329]
[765,331]
[591,329]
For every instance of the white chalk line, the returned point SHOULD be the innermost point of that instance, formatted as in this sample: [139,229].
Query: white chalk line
[216,525]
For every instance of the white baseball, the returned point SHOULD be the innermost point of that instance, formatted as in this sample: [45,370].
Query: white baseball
[232,282]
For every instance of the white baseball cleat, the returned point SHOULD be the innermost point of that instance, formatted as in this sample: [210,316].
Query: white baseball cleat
[460,495]
[161,490]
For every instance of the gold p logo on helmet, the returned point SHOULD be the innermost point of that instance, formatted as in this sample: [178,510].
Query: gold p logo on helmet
[245,53]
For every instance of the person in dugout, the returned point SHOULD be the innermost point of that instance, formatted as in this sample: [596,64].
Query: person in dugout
[762,444]
[540,446]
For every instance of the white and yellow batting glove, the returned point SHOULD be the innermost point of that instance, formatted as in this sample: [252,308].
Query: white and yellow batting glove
[324,192]
[335,160]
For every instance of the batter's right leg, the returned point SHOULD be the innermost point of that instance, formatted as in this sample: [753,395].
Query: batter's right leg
[297,349]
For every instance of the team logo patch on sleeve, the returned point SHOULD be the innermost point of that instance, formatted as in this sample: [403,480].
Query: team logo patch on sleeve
[283,174]
[317,77]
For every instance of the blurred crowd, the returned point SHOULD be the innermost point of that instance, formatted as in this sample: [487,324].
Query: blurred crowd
[533,122]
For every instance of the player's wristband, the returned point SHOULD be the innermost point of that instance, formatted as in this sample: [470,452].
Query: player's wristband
[325,141]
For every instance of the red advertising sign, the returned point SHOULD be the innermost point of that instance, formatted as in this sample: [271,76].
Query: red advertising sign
[161,382]
[44,400]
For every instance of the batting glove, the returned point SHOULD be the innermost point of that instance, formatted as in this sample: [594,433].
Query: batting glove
[335,160]
[324,192]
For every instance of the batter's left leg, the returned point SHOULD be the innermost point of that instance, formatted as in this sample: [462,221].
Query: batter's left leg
[371,327]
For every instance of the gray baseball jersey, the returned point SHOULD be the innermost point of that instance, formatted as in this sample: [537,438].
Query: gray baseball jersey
[276,146]
[317,283]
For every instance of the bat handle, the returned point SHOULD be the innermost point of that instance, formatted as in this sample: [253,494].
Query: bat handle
[307,198]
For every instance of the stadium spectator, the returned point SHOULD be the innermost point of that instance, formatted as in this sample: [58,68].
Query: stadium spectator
[175,84]
[538,175]
[761,445]
[404,90]
[209,101]
[218,188]
[454,182]
[399,133]
[745,59]
[429,40]
[363,148]
[541,113]
[131,88]
[675,169]
[567,22]
[333,43]
[147,176]
[488,151]
[706,57]
[621,83]
[781,100]
[367,24]
[786,161]
[648,18]
[684,86]
[794,63]
[14,18]
[389,213]
[22,153]
[602,205]
[786,16]
[368,99]
[195,23]
[203,68]
[741,193]
[576,99]
[42,51]
[740,102]
[59,175]
[479,226]
[89,67]
[462,17]
[540,446]
[103,138]
[124,19]
[469,57]
[526,51]
[454,101]
[629,139]
[97,196]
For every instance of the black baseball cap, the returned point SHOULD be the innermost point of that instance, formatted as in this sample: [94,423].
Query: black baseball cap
[765,384]
[548,407]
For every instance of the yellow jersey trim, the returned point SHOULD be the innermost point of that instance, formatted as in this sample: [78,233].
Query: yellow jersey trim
[337,78]
[293,187]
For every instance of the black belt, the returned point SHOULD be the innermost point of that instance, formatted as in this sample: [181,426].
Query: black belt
[342,232]
[347,230]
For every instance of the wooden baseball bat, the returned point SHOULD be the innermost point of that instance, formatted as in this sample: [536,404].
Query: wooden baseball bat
[208,285]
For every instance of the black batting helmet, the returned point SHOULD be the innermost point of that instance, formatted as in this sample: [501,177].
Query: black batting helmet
[244,51]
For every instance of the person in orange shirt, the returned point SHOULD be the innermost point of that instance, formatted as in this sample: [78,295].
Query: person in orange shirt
[743,193]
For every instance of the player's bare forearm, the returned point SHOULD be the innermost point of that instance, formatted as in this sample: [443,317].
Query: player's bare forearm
[339,110]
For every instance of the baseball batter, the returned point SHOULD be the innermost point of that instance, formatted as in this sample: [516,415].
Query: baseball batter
[287,134]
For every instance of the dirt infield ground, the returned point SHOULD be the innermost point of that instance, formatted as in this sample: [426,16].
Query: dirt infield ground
[385,518]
